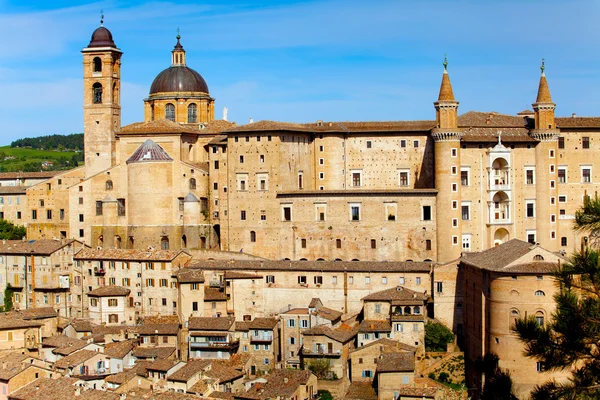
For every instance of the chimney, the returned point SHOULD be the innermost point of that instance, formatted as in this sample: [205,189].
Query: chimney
[78,391]
[123,396]
[285,380]
[573,115]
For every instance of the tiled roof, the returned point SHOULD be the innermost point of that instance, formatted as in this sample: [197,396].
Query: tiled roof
[389,343]
[12,364]
[493,120]
[61,341]
[214,294]
[488,135]
[221,395]
[202,386]
[189,275]
[127,254]
[157,126]
[38,313]
[417,392]
[342,334]
[82,325]
[149,151]
[160,325]
[372,126]
[396,362]
[58,389]
[119,349]
[217,126]
[162,365]
[361,391]
[241,275]
[222,371]
[314,302]
[153,352]
[295,311]
[239,360]
[374,326]
[13,189]
[329,266]
[446,88]
[29,175]
[37,247]
[11,321]
[263,323]
[398,296]
[108,291]
[505,258]
[269,126]
[186,372]
[219,139]
[242,326]
[281,383]
[577,122]
[210,323]
[543,91]
[328,313]
[121,377]
[74,359]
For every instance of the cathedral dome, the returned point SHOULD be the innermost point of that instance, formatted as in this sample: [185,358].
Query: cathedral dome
[102,38]
[178,78]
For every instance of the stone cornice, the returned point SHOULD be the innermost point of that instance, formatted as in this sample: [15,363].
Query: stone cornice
[446,135]
[545,135]
[544,106]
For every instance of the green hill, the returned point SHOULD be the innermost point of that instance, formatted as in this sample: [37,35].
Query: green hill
[14,159]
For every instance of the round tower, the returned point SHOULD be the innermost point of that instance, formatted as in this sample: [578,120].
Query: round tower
[446,137]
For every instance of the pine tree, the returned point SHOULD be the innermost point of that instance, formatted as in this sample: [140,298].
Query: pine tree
[498,383]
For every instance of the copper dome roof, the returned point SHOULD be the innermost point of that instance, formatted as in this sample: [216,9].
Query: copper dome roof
[102,38]
[178,78]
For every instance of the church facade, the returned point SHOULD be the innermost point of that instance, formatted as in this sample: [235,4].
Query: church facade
[398,191]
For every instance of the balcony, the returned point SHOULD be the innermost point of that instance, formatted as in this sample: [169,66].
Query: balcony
[320,351]
[99,271]
[216,345]
[261,338]
[216,283]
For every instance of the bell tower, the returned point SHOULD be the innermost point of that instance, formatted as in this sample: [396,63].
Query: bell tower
[101,100]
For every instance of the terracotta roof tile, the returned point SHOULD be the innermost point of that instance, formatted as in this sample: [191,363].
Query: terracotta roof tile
[339,334]
[162,365]
[74,359]
[109,291]
[218,140]
[417,392]
[119,349]
[269,126]
[328,313]
[189,275]
[222,371]
[127,254]
[398,296]
[214,294]
[577,122]
[149,151]
[41,246]
[242,326]
[446,93]
[38,313]
[488,135]
[389,344]
[121,377]
[61,341]
[374,326]
[82,325]
[217,126]
[188,371]
[29,175]
[241,275]
[13,189]
[11,321]
[160,325]
[361,391]
[396,362]
[58,389]
[221,395]
[493,120]
[263,323]
[11,366]
[153,352]
[158,126]
[211,323]
[280,383]
[543,91]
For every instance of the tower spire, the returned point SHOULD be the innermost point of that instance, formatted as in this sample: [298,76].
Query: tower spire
[178,53]
[446,93]
[543,90]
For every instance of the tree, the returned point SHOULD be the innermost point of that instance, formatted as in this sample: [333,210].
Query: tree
[10,231]
[498,383]
[437,336]
[325,395]
[8,299]
[320,367]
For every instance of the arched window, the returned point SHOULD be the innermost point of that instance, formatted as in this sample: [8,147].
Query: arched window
[407,310]
[117,242]
[252,236]
[538,257]
[109,185]
[320,259]
[97,93]
[184,241]
[398,310]
[97,64]
[192,113]
[164,243]
[539,317]
[514,315]
[416,310]
[100,241]
[192,184]
[540,293]
[202,242]
[170,112]
[130,242]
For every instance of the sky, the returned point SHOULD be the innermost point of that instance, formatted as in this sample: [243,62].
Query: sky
[303,61]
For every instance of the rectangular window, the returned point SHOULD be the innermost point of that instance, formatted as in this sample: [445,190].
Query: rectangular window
[415,143]
[530,209]
[403,178]
[427,244]
[369,144]
[303,323]
[438,287]
[426,213]
[98,208]
[585,142]
[466,212]
[61,214]
[318,280]
[586,174]
[287,213]
[243,215]
[300,182]
[562,175]
[403,143]
[529,176]
[112,302]
[302,280]
[291,323]
[464,177]
[270,278]
[216,164]
[33,214]
[263,215]
[356,179]
[121,207]
[48,214]
[354,212]
[561,142]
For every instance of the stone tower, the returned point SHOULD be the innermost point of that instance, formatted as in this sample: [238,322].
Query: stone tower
[446,136]
[101,100]
[546,178]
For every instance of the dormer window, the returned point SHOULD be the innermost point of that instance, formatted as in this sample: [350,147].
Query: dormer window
[538,257]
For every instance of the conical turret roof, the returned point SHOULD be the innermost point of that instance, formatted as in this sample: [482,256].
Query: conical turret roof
[149,151]
[446,93]
[543,91]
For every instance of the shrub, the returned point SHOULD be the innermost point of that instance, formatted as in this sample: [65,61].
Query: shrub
[437,336]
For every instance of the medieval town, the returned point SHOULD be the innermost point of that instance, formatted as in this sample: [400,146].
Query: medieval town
[191,257]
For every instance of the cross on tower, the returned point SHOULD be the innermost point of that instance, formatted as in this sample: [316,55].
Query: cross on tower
[101,17]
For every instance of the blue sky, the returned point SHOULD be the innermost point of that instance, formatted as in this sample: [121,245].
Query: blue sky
[301,61]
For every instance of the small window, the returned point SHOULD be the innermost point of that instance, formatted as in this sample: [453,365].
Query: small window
[109,185]
[563,241]
[303,243]
[192,113]
[338,243]
[97,93]
[97,64]
[373,243]
[192,184]
[561,142]
[369,144]
[426,213]
[98,208]
[540,293]
[170,112]
[585,142]
[253,236]
[427,244]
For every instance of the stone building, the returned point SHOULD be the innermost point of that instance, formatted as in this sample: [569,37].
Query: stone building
[510,281]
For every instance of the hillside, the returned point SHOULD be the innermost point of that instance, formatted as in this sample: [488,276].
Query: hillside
[14,159]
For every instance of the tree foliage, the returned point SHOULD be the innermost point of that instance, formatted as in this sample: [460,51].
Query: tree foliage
[10,231]
[498,383]
[73,141]
[325,395]
[437,336]
[8,298]
[320,367]
[570,339]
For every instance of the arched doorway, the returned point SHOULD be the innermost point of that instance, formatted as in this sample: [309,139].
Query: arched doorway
[501,236]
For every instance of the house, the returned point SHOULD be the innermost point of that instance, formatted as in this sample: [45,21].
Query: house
[85,363]
[364,359]
[16,372]
[58,346]
[361,391]
[264,343]
[125,381]
[159,370]
[154,353]
[59,389]
[225,376]
[47,316]
[77,328]
[160,331]
[187,376]
[212,337]
[19,334]
[334,345]
[121,354]
[107,305]
[394,371]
